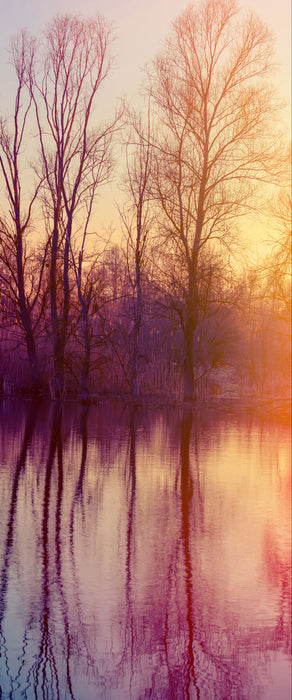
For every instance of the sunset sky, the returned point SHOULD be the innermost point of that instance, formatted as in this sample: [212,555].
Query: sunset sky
[140,28]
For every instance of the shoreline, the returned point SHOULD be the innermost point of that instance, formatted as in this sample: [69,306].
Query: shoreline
[267,406]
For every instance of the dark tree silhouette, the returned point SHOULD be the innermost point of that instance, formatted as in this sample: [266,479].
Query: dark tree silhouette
[75,157]
[20,280]
[214,142]
[137,221]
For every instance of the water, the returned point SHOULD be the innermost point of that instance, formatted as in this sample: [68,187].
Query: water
[143,555]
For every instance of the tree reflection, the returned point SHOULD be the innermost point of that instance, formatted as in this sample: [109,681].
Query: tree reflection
[9,540]
[84,438]
[45,670]
[278,566]
[124,600]
[19,469]
[131,495]
[78,495]
[82,646]
[186,495]
[57,431]
[45,677]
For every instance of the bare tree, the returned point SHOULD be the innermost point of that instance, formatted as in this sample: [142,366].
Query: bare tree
[214,142]
[278,269]
[85,266]
[75,152]
[20,286]
[137,221]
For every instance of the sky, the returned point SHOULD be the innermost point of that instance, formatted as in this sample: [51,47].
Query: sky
[139,27]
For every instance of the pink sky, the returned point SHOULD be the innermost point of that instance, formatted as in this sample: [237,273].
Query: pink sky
[140,28]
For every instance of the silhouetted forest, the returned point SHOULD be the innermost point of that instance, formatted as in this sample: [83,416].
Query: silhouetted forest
[173,308]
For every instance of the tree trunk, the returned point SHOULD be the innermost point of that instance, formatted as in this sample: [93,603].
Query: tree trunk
[189,327]
[59,319]
[33,363]
[26,317]
[136,334]
[137,317]
[58,384]
[85,306]
[84,379]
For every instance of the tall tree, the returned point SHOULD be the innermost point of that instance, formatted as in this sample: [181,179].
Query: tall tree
[85,267]
[20,287]
[137,221]
[75,152]
[214,108]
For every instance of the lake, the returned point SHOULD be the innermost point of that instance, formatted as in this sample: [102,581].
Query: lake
[144,553]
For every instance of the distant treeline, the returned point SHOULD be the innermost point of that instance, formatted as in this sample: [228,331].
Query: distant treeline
[240,347]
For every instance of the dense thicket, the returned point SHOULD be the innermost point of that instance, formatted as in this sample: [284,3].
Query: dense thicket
[169,309]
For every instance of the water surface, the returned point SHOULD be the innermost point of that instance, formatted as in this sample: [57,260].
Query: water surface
[143,554]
